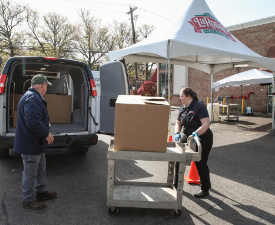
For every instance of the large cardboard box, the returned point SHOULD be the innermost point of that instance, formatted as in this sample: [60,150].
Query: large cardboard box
[141,123]
[14,118]
[14,99]
[59,108]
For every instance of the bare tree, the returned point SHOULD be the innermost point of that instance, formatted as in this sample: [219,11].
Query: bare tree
[145,31]
[121,35]
[11,17]
[57,35]
[92,40]
[33,21]
[122,38]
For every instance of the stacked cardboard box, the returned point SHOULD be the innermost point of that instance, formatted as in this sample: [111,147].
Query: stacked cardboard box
[14,99]
[59,108]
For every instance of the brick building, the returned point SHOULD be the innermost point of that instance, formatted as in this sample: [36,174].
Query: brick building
[259,36]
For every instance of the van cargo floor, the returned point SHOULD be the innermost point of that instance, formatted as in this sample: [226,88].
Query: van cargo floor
[61,128]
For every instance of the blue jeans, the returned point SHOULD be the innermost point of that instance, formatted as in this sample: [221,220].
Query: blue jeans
[33,176]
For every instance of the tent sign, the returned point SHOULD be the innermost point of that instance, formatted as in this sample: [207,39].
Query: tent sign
[208,24]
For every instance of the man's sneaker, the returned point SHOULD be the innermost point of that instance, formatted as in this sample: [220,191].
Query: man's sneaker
[45,196]
[34,205]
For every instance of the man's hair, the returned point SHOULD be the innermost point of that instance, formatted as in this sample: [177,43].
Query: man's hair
[33,83]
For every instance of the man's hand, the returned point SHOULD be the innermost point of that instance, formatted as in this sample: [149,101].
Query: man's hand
[50,138]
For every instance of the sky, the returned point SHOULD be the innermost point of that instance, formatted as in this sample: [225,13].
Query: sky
[155,12]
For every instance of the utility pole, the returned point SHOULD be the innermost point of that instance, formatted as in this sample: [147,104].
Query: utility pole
[132,9]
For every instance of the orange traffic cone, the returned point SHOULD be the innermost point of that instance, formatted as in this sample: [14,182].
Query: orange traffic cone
[170,139]
[193,176]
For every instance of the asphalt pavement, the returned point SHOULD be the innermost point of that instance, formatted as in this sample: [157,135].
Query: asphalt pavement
[242,171]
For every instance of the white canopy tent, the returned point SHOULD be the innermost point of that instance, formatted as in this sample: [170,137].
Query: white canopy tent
[253,76]
[195,39]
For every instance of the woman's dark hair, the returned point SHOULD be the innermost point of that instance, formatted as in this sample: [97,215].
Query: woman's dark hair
[188,91]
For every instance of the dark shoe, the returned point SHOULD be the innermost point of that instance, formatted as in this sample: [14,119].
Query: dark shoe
[34,205]
[201,194]
[45,196]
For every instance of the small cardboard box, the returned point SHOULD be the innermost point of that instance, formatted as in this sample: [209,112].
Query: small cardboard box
[141,123]
[59,108]
[14,118]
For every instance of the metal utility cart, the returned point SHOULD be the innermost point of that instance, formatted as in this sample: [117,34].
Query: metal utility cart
[229,115]
[150,194]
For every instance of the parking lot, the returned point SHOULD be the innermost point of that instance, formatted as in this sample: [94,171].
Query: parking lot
[242,174]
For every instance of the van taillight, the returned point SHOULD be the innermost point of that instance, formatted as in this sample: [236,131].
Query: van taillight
[3,78]
[93,87]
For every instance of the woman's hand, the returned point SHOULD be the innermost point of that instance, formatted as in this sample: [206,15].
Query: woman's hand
[177,137]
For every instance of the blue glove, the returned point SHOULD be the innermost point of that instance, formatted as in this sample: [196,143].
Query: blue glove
[195,134]
[177,137]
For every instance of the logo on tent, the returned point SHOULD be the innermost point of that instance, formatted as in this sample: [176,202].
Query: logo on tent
[208,24]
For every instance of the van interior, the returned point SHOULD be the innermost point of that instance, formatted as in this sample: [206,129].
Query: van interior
[67,98]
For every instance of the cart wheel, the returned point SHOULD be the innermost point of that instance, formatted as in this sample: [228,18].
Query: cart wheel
[176,214]
[113,210]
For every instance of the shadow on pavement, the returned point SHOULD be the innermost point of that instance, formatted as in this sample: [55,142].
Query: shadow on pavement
[228,213]
[258,122]
[250,163]
[245,125]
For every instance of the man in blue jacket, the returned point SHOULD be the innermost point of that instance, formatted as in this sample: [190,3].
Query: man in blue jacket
[32,135]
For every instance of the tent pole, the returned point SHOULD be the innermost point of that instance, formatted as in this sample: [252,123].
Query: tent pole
[242,98]
[169,71]
[273,102]
[169,85]
[158,91]
[212,113]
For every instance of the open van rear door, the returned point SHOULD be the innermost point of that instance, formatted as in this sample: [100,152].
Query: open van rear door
[113,81]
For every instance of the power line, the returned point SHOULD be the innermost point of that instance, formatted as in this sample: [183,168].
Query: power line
[153,13]
[100,10]
[101,3]
[88,2]
[64,7]
[151,20]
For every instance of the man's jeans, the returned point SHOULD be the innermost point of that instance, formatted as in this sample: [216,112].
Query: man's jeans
[34,176]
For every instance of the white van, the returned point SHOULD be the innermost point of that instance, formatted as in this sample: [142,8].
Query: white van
[76,114]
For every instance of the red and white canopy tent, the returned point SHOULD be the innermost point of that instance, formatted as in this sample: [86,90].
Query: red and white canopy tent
[195,39]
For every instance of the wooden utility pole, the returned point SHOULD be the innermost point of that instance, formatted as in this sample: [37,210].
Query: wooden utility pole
[132,9]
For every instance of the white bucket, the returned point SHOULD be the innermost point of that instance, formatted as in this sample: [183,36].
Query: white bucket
[216,111]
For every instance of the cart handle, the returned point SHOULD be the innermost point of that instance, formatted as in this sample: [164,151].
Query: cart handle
[191,138]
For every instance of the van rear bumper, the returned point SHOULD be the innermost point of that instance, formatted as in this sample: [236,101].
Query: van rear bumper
[61,143]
